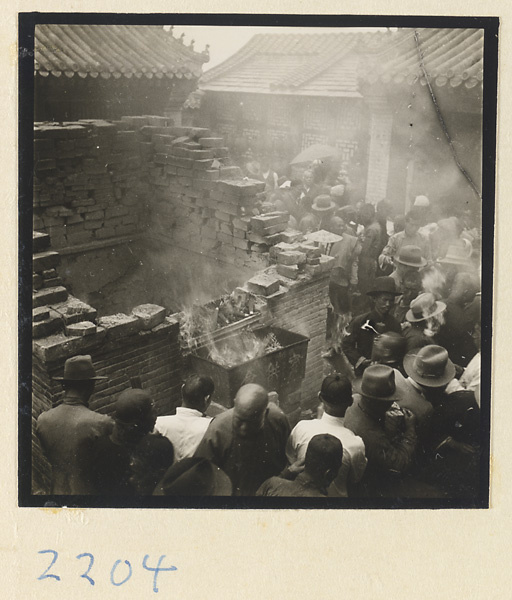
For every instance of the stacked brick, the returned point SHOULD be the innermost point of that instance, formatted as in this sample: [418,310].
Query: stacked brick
[141,348]
[88,183]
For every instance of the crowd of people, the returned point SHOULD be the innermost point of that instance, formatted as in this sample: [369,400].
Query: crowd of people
[398,413]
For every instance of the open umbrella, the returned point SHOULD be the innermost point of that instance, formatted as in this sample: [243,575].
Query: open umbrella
[314,152]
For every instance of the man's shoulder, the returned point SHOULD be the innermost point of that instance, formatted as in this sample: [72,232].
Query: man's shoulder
[221,420]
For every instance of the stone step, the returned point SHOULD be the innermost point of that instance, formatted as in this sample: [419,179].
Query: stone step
[40,241]
[43,261]
[48,296]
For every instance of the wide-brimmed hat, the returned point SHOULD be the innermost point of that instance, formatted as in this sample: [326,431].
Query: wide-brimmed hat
[429,366]
[79,368]
[424,307]
[458,254]
[377,383]
[323,203]
[194,477]
[411,257]
[383,285]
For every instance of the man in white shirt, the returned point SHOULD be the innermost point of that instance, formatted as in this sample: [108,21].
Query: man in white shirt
[336,397]
[187,427]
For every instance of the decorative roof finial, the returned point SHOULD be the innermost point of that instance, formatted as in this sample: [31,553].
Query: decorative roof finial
[182,38]
[192,44]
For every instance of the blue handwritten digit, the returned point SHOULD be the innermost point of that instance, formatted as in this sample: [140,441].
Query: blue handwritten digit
[91,562]
[127,562]
[156,569]
[47,575]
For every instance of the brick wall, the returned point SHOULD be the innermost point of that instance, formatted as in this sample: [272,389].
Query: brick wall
[89,181]
[303,309]
[195,201]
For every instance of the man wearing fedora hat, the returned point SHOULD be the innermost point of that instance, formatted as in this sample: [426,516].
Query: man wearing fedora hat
[410,236]
[389,349]
[424,317]
[323,208]
[455,429]
[322,463]
[390,453]
[357,345]
[68,431]
[408,259]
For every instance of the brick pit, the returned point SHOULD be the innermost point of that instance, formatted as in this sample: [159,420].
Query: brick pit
[136,220]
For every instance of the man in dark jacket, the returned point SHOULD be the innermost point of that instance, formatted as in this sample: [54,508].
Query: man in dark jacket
[67,432]
[390,440]
[248,441]
[454,459]
[357,346]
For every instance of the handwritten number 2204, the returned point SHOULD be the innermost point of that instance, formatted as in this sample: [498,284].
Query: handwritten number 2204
[116,579]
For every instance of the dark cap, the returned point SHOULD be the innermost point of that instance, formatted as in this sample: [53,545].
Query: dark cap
[336,390]
[383,285]
[133,406]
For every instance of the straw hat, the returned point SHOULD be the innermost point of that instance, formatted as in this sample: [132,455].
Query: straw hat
[424,307]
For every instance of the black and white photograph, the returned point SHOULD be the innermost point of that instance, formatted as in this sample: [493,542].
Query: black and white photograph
[256,261]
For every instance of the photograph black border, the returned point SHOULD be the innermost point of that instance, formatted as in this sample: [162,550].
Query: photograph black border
[26,27]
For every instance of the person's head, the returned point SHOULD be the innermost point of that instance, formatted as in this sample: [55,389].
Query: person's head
[377,388]
[309,223]
[323,459]
[409,258]
[79,377]
[250,407]
[134,414]
[413,221]
[307,177]
[82,389]
[464,287]
[383,303]
[336,394]
[336,225]
[150,459]
[411,286]
[383,295]
[196,392]
[389,349]
[366,214]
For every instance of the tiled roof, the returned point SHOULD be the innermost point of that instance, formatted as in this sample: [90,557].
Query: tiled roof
[336,64]
[450,56]
[113,50]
